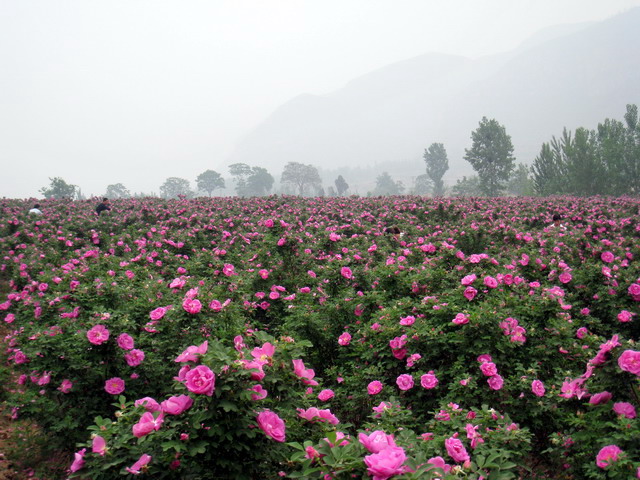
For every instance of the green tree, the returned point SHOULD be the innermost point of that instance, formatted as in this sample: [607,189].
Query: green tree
[437,165]
[491,156]
[174,187]
[467,187]
[209,180]
[385,185]
[520,182]
[585,168]
[549,167]
[259,182]
[341,185]
[117,190]
[58,188]
[424,185]
[301,176]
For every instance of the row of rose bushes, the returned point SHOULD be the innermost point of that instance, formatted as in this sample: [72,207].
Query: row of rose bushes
[480,337]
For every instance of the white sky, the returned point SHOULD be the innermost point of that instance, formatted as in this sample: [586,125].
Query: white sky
[135,91]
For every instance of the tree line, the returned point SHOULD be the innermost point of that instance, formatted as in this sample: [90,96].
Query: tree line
[604,161]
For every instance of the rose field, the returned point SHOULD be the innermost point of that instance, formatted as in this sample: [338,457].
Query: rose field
[288,337]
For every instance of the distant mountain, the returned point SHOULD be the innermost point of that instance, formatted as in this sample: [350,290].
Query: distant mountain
[568,76]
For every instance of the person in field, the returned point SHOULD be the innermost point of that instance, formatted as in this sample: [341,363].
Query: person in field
[102,206]
[35,210]
[557,223]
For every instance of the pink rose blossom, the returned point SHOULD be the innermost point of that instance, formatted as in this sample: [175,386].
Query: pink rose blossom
[461,319]
[629,361]
[201,380]
[407,321]
[148,403]
[456,450]
[272,425]
[78,461]
[625,316]
[495,382]
[404,382]
[470,293]
[98,445]
[147,424]
[374,387]
[125,341]
[344,339]
[140,465]
[114,386]
[376,441]
[625,409]
[537,387]
[607,455]
[134,357]
[488,369]
[428,381]
[192,305]
[176,405]
[607,257]
[386,463]
[325,395]
[305,374]
[346,273]
[98,334]
[259,393]
[157,313]
[600,398]
[490,282]
[191,354]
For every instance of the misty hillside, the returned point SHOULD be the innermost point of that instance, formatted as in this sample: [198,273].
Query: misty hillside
[572,76]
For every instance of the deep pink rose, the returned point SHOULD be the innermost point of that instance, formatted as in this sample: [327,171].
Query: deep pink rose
[374,387]
[78,460]
[495,382]
[192,353]
[629,361]
[125,341]
[625,409]
[191,305]
[470,293]
[537,387]
[147,424]
[98,335]
[114,386]
[98,445]
[607,455]
[325,395]
[404,381]
[259,393]
[148,403]
[461,319]
[599,398]
[456,450]
[176,405]
[157,313]
[344,339]
[625,316]
[134,357]
[201,380]
[490,282]
[376,441]
[386,463]
[305,374]
[489,369]
[428,381]
[272,425]
[138,467]
[346,273]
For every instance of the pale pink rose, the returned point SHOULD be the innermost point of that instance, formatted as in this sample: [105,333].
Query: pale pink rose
[272,425]
[98,334]
[158,313]
[125,341]
[582,331]
[176,405]
[344,339]
[438,462]
[114,386]
[629,361]
[404,382]
[147,424]
[98,445]
[386,464]
[140,465]
[456,450]
[607,455]
[65,386]
[468,280]
[428,381]
[565,277]
[625,409]
[374,387]
[376,441]
[325,395]
[148,403]
[537,387]
[201,380]
[192,353]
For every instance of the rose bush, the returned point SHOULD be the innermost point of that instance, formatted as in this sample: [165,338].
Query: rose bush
[480,302]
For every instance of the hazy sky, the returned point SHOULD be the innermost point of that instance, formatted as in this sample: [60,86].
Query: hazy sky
[135,91]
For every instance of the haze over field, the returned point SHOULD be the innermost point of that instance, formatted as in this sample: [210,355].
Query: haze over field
[137,91]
